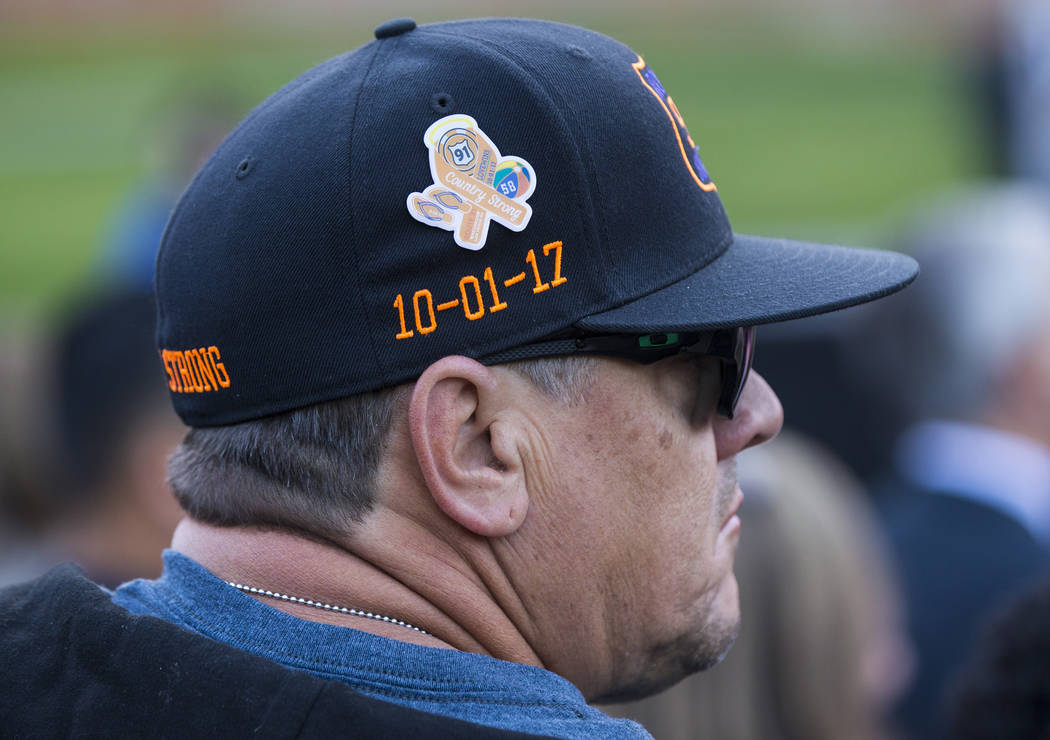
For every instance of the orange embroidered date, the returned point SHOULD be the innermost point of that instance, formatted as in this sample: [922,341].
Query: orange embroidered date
[474,292]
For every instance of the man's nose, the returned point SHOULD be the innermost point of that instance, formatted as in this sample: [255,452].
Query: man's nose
[757,419]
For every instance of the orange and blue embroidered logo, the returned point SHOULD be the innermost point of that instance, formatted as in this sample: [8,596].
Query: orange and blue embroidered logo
[473,184]
[690,154]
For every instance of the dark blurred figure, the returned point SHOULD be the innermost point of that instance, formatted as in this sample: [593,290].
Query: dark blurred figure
[23,511]
[988,87]
[1026,83]
[106,506]
[821,653]
[115,430]
[812,365]
[1004,691]
[1009,64]
[967,354]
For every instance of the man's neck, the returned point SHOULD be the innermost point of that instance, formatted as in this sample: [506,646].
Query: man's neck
[442,602]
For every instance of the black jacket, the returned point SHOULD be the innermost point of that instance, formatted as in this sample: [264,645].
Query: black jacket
[73,664]
[959,561]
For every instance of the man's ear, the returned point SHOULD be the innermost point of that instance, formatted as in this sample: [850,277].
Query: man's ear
[464,446]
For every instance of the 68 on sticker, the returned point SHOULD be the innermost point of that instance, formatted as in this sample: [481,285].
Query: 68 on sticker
[478,296]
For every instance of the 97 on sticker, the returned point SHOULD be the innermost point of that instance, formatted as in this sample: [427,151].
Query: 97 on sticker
[474,292]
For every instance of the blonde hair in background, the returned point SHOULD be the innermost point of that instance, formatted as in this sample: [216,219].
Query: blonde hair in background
[821,653]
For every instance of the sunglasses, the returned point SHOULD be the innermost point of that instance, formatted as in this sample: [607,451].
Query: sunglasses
[733,348]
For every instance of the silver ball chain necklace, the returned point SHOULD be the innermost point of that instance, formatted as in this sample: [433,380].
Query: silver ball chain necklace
[322,605]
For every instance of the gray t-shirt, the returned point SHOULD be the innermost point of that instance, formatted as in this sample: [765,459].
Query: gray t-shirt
[472,687]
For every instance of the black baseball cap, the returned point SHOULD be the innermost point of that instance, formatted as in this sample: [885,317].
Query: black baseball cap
[460,188]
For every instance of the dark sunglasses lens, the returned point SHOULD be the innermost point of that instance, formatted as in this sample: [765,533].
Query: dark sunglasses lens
[737,370]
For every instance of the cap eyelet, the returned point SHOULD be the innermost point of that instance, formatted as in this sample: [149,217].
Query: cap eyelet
[579,52]
[442,103]
[396,27]
[244,168]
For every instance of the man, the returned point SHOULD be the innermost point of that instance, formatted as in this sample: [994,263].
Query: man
[108,505]
[464,338]
[967,501]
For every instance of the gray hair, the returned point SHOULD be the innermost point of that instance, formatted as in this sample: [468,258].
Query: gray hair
[982,294]
[312,470]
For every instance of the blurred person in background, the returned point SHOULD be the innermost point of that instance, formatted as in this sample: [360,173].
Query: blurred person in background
[23,508]
[98,497]
[1008,62]
[812,365]
[105,504]
[114,429]
[818,366]
[821,653]
[967,503]
[1004,691]
[1026,87]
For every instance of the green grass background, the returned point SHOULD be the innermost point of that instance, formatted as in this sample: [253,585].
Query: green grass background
[806,135]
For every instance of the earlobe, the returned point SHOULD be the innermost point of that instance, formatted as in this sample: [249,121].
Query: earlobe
[464,447]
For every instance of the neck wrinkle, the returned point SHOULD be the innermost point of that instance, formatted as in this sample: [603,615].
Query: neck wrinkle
[456,573]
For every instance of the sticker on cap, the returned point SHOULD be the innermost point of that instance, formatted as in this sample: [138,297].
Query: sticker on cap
[473,184]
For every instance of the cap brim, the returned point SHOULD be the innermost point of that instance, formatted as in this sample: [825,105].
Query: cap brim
[758,280]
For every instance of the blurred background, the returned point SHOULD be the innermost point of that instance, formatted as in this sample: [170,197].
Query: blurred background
[818,118]
[884,123]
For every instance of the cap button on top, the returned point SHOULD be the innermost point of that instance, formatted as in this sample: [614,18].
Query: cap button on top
[395,27]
